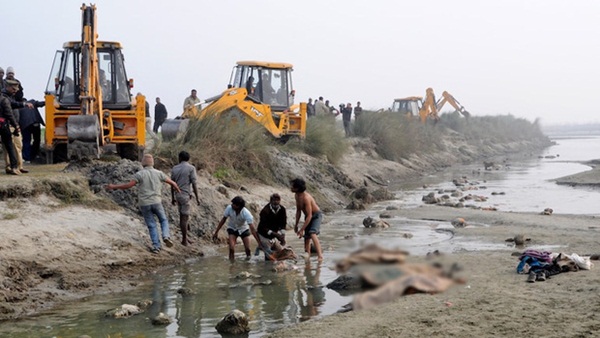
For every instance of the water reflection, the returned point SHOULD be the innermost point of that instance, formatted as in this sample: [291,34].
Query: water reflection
[188,306]
[310,294]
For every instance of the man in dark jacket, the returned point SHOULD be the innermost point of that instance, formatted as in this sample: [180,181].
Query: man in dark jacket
[11,90]
[160,114]
[273,221]
[310,108]
[347,118]
[7,120]
[30,121]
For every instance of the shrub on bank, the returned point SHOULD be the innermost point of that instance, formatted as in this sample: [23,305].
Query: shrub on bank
[323,139]
[232,150]
[395,136]
[229,149]
[499,128]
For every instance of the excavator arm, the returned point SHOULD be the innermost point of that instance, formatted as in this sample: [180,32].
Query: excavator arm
[447,98]
[237,104]
[84,129]
[430,108]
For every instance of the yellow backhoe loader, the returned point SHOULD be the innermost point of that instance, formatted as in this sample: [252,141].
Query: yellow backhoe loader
[258,92]
[428,107]
[88,99]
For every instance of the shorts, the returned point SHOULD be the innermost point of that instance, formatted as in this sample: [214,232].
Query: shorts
[314,227]
[183,204]
[237,233]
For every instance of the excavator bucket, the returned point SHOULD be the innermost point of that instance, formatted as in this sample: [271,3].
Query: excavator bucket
[83,132]
[170,129]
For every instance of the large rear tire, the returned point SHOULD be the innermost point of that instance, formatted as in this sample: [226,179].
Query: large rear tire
[129,151]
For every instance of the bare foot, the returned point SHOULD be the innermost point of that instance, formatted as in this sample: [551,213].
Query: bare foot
[186,242]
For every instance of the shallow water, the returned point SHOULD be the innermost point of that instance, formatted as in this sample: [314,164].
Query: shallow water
[528,184]
[296,296]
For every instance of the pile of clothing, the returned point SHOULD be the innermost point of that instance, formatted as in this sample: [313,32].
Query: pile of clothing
[540,265]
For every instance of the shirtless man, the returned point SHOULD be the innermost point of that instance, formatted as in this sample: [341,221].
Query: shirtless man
[313,216]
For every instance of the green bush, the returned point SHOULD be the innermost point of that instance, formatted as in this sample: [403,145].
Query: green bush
[395,136]
[223,147]
[324,138]
[500,128]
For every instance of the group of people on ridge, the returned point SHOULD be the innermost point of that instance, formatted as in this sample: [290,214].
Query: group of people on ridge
[320,108]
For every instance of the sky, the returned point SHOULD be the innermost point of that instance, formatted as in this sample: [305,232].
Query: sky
[528,58]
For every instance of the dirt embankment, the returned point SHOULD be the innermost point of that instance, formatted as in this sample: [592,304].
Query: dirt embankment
[64,237]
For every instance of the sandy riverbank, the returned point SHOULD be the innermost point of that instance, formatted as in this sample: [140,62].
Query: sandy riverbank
[54,252]
[495,301]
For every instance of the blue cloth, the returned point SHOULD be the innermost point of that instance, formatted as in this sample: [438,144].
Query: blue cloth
[149,211]
[534,264]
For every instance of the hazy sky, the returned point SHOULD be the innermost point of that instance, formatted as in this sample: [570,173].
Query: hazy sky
[526,58]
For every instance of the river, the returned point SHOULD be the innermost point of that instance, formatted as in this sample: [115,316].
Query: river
[284,299]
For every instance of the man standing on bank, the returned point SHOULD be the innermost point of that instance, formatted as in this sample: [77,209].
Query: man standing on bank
[149,181]
[184,174]
[313,217]
[160,114]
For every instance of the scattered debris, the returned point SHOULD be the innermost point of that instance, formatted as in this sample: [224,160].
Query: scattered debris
[186,291]
[459,222]
[162,319]
[370,222]
[519,240]
[124,311]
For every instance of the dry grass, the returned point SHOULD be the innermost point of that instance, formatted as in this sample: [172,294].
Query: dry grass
[234,150]
[396,136]
[500,128]
[223,148]
[323,139]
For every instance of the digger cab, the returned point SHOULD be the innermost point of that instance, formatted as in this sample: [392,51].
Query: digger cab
[65,77]
[266,82]
[408,106]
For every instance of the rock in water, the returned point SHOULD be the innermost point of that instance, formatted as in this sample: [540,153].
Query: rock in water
[235,322]
[162,319]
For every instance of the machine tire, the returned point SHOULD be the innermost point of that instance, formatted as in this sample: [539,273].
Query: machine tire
[284,139]
[58,154]
[129,151]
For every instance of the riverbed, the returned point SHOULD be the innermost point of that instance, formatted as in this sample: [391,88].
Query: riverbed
[282,299]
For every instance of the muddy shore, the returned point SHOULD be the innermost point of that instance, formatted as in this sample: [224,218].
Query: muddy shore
[54,252]
[495,301]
